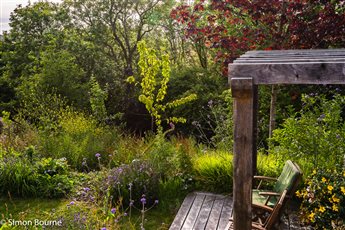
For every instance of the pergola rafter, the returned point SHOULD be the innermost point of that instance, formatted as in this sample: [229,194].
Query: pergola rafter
[269,68]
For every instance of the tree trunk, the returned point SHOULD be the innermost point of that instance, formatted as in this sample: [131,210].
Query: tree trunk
[273,109]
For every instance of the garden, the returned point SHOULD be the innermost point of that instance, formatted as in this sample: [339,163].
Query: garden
[111,112]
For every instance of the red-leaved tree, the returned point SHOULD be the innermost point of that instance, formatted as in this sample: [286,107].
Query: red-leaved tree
[231,27]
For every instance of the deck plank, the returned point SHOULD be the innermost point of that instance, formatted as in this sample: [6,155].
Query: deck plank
[200,211]
[183,212]
[226,214]
[219,214]
[213,219]
[194,212]
[205,212]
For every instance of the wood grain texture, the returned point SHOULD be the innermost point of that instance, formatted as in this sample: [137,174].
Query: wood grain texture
[204,212]
[294,73]
[226,214]
[243,92]
[194,212]
[296,52]
[214,217]
[213,212]
[183,212]
[271,60]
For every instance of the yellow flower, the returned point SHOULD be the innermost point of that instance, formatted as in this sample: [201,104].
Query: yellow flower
[324,180]
[330,188]
[335,199]
[314,172]
[298,194]
[311,217]
[335,207]
[322,209]
[342,189]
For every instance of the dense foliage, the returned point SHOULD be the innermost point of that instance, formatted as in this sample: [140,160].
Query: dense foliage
[121,106]
[314,135]
[232,27]
[324,199]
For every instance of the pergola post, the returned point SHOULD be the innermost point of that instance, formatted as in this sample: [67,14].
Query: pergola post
[243,92]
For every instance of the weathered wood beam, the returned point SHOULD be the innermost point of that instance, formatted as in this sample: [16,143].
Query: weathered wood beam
[289,60]
[298,51]
[290,73]
[243,91]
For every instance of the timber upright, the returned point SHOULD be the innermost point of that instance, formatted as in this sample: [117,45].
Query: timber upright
[243,93]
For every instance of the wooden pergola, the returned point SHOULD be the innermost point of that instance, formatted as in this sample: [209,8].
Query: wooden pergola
[268,68]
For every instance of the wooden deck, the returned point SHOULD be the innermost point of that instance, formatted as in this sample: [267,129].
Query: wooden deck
[203,211]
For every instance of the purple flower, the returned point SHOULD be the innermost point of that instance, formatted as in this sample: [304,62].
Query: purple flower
[104,228]
[72,203]
[113,210]
[322,116]
[125,214]
[143,200]
[131,203]
[156,201]
[98,155]
[172,126]
[86,189]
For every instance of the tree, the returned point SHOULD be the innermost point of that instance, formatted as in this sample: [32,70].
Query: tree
[33,29]
[116,26]
[231,27]
[154,88]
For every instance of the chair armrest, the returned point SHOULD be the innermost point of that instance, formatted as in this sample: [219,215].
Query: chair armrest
[265,178]
[263,207]
[267,193]
[262,178]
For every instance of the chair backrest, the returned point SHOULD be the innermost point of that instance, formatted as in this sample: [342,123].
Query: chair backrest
[289,178]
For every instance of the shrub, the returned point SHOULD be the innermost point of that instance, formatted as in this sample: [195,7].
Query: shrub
[127,183]
[215,126]
[323,200]
[316,134]
[78,138]
[163,156]
[133,181]
[53,177]
[22,176]
[209,87]
[17,176]
[213,171]
[16,134]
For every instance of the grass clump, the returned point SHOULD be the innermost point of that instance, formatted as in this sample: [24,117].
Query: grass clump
[213,171]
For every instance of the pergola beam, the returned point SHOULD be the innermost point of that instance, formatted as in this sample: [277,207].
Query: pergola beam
[290,72]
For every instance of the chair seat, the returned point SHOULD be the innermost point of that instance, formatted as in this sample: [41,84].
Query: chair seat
[261,199]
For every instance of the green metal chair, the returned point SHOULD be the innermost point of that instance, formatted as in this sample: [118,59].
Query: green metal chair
[268,205]
[288,180]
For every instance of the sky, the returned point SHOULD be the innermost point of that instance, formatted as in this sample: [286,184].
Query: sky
[7,6]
